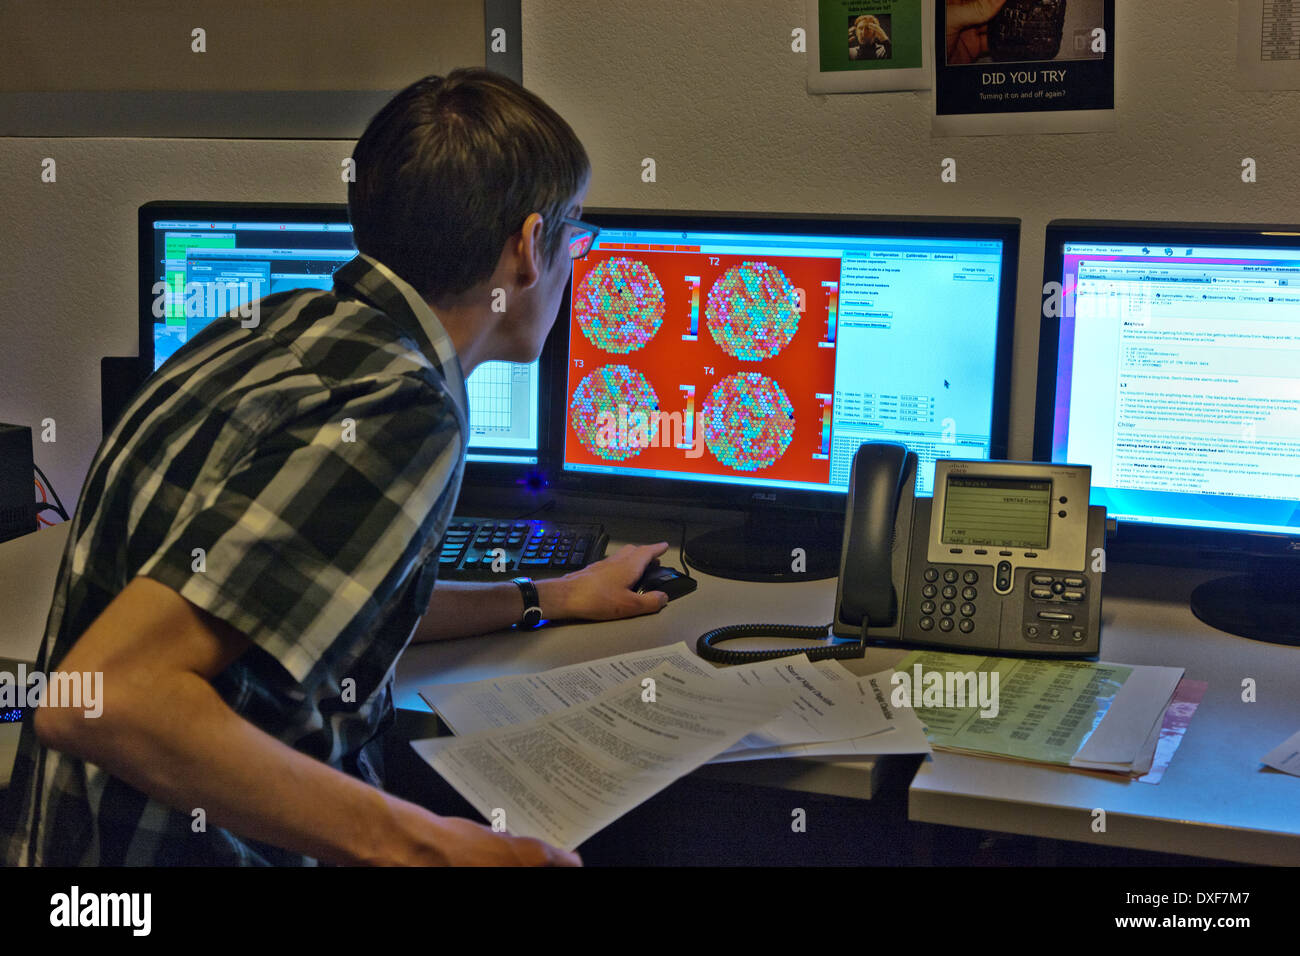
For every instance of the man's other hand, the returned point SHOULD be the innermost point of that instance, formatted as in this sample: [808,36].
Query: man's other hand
[458,842]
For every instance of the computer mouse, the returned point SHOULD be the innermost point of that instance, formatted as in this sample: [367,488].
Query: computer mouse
[660,577]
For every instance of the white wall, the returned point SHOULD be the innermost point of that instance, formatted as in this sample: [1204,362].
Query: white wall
[713,93]
[68,275]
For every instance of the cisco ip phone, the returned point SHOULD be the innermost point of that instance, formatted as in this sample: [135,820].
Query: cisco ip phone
[1001,559]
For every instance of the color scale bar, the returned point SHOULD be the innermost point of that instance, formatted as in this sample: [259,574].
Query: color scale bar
[688,418]
[832,314]
[694,334]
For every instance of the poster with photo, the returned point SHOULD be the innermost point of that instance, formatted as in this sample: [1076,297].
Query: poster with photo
[1024,66]
[859,46]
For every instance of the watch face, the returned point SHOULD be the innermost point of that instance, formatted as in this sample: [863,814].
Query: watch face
[533,616]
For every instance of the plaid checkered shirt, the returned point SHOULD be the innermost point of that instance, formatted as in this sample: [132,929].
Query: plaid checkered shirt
[315,458]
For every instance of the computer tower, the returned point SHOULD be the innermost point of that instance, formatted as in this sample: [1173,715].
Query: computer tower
[17,493]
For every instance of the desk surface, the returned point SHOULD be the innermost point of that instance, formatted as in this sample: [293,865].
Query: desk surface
[1216,799]
[29,566]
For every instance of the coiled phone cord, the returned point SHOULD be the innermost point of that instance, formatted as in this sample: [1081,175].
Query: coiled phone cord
[842,648]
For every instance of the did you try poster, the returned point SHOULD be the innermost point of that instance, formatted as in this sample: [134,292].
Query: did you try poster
[1024,66]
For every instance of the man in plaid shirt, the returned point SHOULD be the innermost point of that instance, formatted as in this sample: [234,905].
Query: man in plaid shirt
[257,539]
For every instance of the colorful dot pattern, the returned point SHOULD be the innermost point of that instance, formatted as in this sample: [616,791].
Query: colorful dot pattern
[752,311]
[595,405]
[748,421]
[619,305]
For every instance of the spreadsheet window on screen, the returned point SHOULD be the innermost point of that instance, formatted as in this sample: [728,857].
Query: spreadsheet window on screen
[210,269]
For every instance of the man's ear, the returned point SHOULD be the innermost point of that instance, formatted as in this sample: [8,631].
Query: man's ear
[528,262]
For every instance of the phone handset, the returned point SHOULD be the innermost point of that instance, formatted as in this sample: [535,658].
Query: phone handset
[883,476]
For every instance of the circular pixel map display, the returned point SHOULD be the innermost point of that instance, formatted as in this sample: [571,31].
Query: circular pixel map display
[594,411]
[748,421]
[752,311]
[619,305]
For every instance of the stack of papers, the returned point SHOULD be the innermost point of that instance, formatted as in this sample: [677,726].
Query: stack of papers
[562,754]
[1099,716]
[833,712]
[563,777]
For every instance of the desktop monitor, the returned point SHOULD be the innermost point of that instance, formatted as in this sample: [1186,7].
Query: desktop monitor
[739,360]
[199,261]
[1169,362]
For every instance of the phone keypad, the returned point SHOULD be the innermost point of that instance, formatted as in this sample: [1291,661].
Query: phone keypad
[948,615]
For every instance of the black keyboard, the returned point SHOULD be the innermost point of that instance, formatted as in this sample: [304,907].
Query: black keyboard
[487,549]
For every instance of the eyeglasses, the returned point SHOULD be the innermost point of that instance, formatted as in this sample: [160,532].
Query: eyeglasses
[582,241]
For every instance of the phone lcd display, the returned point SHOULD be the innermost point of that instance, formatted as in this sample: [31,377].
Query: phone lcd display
[997,512]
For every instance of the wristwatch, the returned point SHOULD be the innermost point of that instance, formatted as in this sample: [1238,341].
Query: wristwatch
[532,604]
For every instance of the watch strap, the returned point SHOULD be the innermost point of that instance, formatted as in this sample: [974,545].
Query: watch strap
[532,615]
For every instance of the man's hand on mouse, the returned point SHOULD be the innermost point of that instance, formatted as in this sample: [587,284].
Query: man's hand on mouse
[602,590]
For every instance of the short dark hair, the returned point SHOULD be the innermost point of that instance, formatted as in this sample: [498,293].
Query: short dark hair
[450,168]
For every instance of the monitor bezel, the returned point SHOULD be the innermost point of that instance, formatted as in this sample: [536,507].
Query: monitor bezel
[503,473]
[678,491]
[1140,540]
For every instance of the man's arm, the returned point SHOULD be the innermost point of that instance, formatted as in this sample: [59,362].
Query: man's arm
[166,731]
[599,592]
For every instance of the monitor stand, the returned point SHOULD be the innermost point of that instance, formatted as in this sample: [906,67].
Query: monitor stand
[769,547]
[1263,605]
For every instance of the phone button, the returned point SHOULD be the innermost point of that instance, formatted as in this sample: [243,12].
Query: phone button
[968,610]
[1075,582]
[926,623]
[947,608]
[1054,633]
[1077,634]
[949,591]
[1041,594]
[1040,579]
[931,574]
[1055,616]
[1003,582]
[966,625]
[950,576]
[969,594]
[929,591]
[1031,631]
[970,577]
[945,624]
[927,607]
[1073,595]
